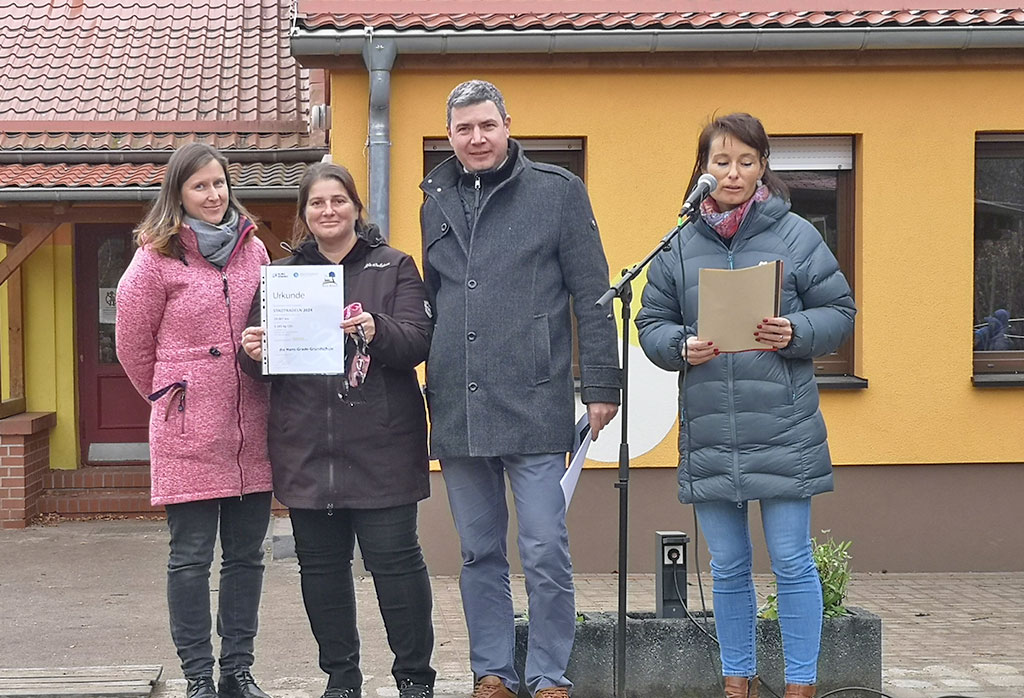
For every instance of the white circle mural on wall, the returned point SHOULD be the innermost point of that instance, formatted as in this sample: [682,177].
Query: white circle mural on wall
[653,408]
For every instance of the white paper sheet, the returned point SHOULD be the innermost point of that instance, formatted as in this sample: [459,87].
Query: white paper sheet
[579,454]
[301,310]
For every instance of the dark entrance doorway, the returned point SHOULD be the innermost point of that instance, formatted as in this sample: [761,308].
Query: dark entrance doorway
[113,418]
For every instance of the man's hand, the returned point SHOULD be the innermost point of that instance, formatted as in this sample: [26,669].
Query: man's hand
[599,414]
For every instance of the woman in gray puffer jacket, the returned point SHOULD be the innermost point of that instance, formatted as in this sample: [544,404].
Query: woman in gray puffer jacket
[750,427]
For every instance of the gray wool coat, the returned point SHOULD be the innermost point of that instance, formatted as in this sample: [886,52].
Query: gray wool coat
[750,427]
[499,375]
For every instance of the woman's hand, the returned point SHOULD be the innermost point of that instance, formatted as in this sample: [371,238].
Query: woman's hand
[699,351]
[366,320]
[776,332]
[252,343]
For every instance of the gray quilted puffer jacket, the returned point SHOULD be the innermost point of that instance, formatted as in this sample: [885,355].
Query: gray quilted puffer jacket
[755,430]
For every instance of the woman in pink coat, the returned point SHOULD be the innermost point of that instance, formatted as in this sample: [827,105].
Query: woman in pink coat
[181,307]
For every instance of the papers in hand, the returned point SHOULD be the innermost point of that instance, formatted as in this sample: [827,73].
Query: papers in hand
[300,312]
[581,443]
[732,302]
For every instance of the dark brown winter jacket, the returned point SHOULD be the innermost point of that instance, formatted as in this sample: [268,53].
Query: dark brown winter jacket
[363,447]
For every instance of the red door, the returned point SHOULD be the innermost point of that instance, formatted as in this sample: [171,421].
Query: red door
[113,418]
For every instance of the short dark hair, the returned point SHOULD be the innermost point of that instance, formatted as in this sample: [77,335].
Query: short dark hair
[474,92]
[746,129]
[316,173]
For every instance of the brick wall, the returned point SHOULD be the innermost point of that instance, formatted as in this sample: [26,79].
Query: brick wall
[24,460]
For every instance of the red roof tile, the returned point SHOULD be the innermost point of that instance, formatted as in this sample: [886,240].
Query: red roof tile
[141,175]
[181,66]
[657,14]
[148,141]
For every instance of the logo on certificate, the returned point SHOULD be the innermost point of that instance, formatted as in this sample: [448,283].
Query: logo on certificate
[330,279]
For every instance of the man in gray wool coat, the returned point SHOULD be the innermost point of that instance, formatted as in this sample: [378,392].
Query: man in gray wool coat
[507,243]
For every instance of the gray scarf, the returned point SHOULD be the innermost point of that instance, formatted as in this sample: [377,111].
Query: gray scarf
[216,242]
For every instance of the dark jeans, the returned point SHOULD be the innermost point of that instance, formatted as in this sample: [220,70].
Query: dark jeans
[391,552]
[193,525]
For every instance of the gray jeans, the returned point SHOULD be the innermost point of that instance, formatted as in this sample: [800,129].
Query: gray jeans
[476,493]
[193,526]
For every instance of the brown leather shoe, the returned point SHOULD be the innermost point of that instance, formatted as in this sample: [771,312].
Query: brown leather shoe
[552,692]
[741,687]
[492,687]
[799,690]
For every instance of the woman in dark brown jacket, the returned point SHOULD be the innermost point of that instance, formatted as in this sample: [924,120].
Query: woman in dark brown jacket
[348,453]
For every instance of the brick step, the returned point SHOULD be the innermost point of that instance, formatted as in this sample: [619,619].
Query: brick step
[102,489]
[135,477]
[87,501]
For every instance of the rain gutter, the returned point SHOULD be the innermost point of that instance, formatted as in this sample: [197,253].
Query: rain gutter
[57,194]
[117,157]
[379,57]
[337,42]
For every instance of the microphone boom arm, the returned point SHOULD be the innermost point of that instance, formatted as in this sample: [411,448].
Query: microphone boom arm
[618,289]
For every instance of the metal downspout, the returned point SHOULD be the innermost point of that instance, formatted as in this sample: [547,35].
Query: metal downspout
[379,57]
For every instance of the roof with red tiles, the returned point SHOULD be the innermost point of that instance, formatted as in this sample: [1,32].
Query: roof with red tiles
[222,64]
[652,14]
[141,175]
[147,76]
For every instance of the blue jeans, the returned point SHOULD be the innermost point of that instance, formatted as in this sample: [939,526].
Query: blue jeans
[476,493]
[193,526]
[787,531]
[324,544]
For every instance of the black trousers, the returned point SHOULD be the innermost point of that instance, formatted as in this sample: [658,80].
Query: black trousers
[242,522]
[324,544]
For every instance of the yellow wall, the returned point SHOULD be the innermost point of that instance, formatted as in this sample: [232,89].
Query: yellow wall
[50,384]
[915,129]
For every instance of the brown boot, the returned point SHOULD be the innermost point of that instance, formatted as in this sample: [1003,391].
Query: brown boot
[553,692]
[741,687]
[799,690]
[492,687]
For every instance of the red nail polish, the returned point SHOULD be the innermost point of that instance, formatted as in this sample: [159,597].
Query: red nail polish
[710,343]
[717,352]
[757,333]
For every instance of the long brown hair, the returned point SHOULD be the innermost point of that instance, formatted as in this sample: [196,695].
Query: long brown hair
[314,174]
[159,229]
[750,131]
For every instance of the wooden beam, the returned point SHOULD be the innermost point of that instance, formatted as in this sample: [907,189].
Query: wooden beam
[15,336]
[9,408]
[42,215]
[9,236]
[29,244]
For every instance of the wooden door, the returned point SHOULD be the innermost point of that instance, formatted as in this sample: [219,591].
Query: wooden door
[113,418]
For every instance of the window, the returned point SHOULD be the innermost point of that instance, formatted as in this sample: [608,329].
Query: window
[819,173]
[998,333]
[564,152]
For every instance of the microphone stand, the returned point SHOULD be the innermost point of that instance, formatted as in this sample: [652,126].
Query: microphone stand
[623,290]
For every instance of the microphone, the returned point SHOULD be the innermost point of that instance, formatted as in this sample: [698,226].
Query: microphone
[706,184]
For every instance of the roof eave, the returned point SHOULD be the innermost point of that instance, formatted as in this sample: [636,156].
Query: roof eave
[337,42]
[118,157]
[106,194]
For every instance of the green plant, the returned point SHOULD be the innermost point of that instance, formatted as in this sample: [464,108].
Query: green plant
[833,562]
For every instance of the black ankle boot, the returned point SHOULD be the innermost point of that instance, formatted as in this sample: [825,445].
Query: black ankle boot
[239,684]
[200,687]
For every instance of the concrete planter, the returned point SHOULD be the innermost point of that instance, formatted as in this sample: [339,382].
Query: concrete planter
[670,658]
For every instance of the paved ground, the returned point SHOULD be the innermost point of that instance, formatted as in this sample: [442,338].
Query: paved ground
[92,593]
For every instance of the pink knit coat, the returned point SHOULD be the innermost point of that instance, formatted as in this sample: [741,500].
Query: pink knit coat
[179,324]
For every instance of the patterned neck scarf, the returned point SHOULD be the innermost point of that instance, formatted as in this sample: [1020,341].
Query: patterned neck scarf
[726,223]
[216,241]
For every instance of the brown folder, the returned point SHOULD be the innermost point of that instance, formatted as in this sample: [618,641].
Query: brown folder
[732,302]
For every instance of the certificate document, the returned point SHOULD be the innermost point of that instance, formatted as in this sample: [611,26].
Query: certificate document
[300,312]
